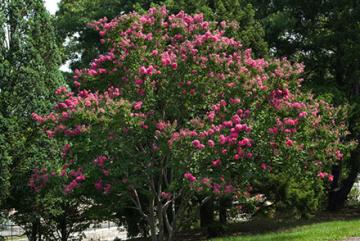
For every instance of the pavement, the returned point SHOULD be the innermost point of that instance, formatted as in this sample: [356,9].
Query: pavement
[98,234]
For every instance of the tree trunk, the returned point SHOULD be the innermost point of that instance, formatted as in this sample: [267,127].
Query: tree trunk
[207,213]
[224,203]
[34,233]
[338,195]
[152,221]
[161,221]
[63,230]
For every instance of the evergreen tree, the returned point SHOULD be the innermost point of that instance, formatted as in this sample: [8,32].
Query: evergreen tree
[29,75]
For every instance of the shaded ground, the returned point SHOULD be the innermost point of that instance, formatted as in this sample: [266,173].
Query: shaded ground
[258,225]
[261,225]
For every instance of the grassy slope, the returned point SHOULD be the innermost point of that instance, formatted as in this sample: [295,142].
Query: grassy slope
[326,231]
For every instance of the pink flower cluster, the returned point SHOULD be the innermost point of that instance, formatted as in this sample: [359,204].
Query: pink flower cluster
[78,178]
[38,180]
[188,176]
[100,186]
[323,175]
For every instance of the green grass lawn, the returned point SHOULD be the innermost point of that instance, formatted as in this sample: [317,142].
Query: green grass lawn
[325,231]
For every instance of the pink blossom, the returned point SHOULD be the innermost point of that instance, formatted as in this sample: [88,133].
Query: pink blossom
[77,83]
[65,150]
[197,144]
[241,127]
[198,18]
[216,163]
[50,133]
[92,72]
[100,161]
[166,195]
[289,142]
[137,105]
[161,125]
[245,142]
[87,103]
[216,188]
[70,187]
[222,139]
[211,143]
[273,130]
[206,181]
[263,166]
[302,114]
[236,119]
[339,155]
[290,122]
[139,81]
[65,115]
[322,175]
[99,185]
[80,178]
[228,124]
[298,105]
[61,90]
[211,116]
[189,177]
[235,100]
[147,70]
[229,189]
[330,177]
[107,188]
[37,118]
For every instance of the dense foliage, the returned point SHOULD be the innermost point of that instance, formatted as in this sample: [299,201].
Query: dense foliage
[175,109]
[28,70]
[325,36]
[29,74]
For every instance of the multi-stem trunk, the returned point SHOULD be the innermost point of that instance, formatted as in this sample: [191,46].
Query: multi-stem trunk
[160,219]
[34,233]
[152,220]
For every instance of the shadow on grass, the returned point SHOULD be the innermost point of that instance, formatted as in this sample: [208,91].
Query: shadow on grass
[262,225]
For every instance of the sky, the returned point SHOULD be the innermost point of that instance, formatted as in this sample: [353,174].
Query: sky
[51,5]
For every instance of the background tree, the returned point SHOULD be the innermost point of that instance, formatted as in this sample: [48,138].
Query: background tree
[325,36]
[29,73]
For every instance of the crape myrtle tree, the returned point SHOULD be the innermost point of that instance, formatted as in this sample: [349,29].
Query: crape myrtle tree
[82,42]
[175,109]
